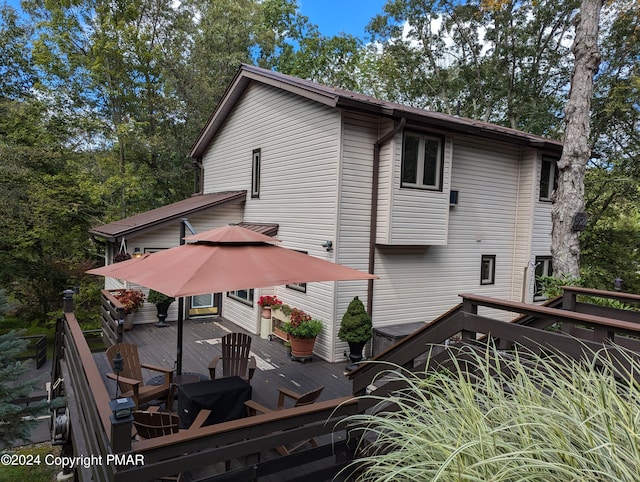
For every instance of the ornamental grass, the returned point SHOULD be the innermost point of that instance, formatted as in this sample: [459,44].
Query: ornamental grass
[506,416]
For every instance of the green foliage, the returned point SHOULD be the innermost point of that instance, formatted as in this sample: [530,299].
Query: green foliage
[356,323]
[508,418]
[41,472]
[552,286]
[301,325]
[156,297]
[3,304]
[14,385]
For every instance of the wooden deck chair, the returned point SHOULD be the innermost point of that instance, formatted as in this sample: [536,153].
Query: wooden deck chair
[299,400]
[236,360]
[130,379]
[153,423]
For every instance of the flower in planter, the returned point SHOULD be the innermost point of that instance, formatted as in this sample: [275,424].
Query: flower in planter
[302,325]
[130,300]
[269,300]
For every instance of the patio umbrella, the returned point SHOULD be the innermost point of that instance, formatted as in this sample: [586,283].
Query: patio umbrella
[225,259]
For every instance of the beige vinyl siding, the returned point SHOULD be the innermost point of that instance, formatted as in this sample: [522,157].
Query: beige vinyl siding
[168,236]
[410,216]
[299,141]
[354,213]
[542,225]
[523,267]
[419,283]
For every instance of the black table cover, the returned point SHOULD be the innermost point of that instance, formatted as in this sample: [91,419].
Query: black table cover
[225,398]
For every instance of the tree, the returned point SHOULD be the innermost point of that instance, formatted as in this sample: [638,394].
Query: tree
[17,419]
[497,61]
[568,199]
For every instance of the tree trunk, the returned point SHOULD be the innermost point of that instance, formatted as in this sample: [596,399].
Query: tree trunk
[569,196]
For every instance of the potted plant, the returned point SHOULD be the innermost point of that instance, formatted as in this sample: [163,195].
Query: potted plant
[355,329]
[302,331]
[130,300]
[162,303]
[281,314]
[267,302]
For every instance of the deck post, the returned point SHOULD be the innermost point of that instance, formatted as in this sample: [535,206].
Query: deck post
[121,434]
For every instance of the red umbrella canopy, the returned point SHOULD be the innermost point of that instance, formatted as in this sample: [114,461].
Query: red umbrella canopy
[226,259]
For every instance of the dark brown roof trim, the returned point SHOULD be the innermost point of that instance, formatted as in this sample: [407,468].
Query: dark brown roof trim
[354,101]
[165,214]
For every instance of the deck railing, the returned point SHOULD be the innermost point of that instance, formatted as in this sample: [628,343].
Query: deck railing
[37,348]
[562,328]
[112,315]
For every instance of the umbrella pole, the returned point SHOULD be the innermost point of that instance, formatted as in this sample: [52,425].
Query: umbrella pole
[179,347]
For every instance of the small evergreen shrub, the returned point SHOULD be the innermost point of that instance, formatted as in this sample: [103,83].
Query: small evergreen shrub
[356,323]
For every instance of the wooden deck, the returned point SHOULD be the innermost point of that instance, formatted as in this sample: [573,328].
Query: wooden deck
[201,343]
[569,326]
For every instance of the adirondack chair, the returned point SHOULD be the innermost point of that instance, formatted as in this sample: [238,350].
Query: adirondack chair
[236,360]
[299,400]
[153,423]
[130,379]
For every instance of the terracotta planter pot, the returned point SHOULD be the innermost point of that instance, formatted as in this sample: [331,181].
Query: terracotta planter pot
[302,347]
[266,312]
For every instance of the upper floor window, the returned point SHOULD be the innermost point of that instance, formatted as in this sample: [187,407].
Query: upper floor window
[548,178]
[255,174]
[422,159]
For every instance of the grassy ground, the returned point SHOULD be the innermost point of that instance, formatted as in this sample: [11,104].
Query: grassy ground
[38,472]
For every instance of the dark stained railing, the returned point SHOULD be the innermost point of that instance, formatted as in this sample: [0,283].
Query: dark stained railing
[37,347]
[555,327]
[112,315]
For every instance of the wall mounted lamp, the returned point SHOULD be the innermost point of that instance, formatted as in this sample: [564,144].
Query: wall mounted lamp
[137,253]
[328,245]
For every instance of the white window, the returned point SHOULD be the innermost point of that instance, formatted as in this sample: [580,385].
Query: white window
[255,174]
[488,269]
[544,267]
[422,161]
[245,296]
[548,178]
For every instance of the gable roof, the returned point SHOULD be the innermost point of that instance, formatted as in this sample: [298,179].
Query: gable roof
[165,214]
[339,98]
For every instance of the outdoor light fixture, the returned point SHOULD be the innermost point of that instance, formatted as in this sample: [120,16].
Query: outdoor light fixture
[137,253]
[617,284]
[328,245]
[122,408]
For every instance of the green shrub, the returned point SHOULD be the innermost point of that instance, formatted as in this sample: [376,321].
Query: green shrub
[506,417]
[356,323]
[157,297]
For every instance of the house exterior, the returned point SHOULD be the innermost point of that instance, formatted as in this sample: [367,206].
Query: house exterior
[433,204]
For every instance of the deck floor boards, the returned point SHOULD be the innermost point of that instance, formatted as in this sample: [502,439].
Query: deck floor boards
[157,346]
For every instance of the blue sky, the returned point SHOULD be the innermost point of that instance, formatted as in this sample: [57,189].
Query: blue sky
[331,16]
[335,16]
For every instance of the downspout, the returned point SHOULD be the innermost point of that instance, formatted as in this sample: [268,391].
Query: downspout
[374,206]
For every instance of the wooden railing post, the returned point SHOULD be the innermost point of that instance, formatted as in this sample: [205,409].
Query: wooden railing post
[569,299]
[121,434]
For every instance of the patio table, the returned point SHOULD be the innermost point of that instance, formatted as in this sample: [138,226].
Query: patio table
[225,398]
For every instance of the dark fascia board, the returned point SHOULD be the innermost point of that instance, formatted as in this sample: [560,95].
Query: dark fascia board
[151,223]
[338,98]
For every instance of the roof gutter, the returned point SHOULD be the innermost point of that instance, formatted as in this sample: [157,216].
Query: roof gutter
[374,205]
